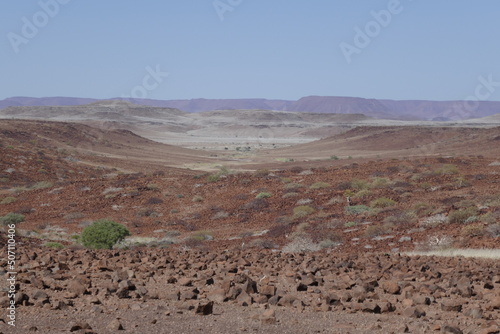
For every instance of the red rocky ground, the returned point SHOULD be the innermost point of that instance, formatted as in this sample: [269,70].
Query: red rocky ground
[241,240]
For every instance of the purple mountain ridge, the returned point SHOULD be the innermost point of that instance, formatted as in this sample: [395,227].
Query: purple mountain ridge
[383,109]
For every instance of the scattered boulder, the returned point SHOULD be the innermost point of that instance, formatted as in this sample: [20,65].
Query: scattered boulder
[204,308]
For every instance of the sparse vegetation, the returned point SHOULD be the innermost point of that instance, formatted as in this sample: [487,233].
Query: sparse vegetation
[103,234]
[147,213]
[401,218]
[213,178]
[357,209]
[447,169]
[152,186]
[197,199]
[293,186]
[262,244]
[319,185]
[261,172]
[302,211]
[462,215]
[382,202]
[201,236]
[301,244]
[362,194]
[263,195]
[376,230]
[359,184]
[8,200]
[42,185]
[74,216]
[12,218]
[472,230]
[423,209]
[54,245]
[380,182]
[220,215]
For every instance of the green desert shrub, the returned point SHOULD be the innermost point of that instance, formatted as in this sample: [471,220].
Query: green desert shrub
[213,178]
[320,185]
[201,236]
[357,184]
[262,172]
[423,209]
[293,185]
[376,230]
[350,224]
[42,185]
[362,194]
[382,202]
[461,216]
[12,218]
[472,230]
[447,169]
[8,200]
[357,209]
[263,195]
[55,245]
[380,182]
[401,218]
[302,211]
[103,234]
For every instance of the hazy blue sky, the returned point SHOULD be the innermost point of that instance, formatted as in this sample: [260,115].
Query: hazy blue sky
[282,49]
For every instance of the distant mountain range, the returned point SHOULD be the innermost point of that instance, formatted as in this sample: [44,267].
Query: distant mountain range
[383,109]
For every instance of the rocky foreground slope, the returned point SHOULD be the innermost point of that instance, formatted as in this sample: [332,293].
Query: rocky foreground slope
[234,291]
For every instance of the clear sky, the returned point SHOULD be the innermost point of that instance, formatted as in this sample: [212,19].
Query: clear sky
[277,49]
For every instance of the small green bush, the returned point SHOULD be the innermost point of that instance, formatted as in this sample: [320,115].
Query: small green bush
[401,218]
[263,195]
[472,230]
[54,245]
[8,200]
[376,230]
[293,185]
[42,185]
[302,211]
[320,185]
[447,169]
[461,216]
[362,194]
[382,202]
[423,209]
[201,236]
[213,178]
[357,209]
[12,218]
[103,234]
[262,172]
[359,184]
